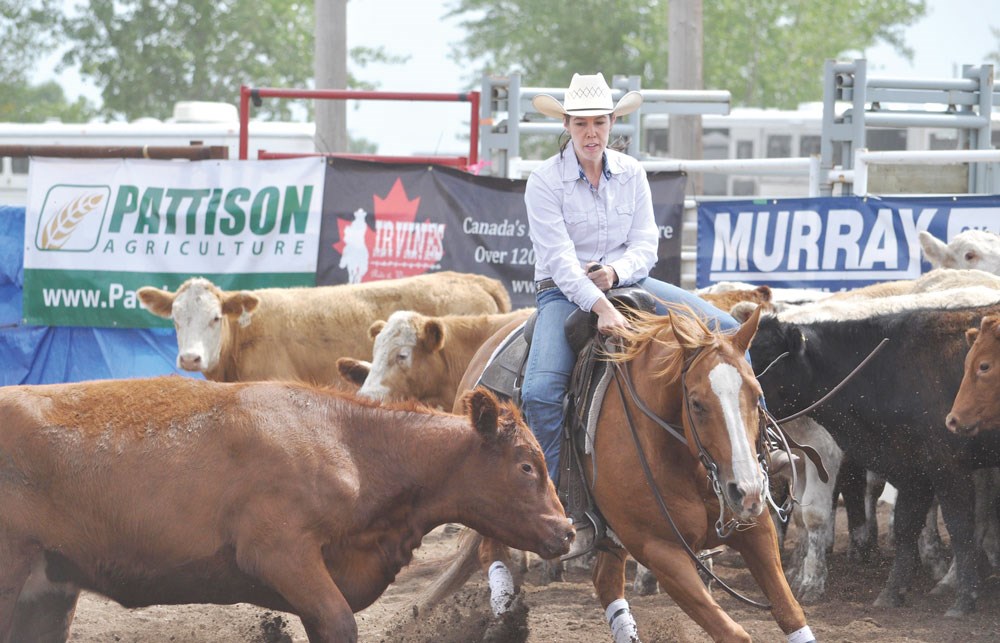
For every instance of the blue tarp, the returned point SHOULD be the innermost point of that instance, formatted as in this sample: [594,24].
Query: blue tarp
[51,354]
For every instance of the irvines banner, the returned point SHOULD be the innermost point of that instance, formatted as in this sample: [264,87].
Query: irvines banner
[385,221]
[97,230]
[831,243]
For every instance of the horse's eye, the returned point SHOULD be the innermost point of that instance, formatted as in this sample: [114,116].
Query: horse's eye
[527,468]
[984,366]
[697,406]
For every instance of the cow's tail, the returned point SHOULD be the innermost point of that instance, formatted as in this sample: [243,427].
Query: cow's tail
[460,566]
[498,291]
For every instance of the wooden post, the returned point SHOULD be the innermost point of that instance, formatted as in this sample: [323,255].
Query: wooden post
[330,67]
[684,71]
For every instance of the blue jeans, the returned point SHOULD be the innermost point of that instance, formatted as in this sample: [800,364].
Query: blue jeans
[551,360]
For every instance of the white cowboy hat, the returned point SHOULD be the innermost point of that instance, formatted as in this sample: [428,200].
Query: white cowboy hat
[587,96]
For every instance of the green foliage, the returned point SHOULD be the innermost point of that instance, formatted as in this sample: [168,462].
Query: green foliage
[25,31]
[768,53]
[145,55]
[24,103]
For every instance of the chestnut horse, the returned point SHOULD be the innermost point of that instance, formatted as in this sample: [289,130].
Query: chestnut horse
[684,401]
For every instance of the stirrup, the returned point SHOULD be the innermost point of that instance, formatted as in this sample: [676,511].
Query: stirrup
[589,530]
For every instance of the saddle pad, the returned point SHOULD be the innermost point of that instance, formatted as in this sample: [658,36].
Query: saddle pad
[504,366]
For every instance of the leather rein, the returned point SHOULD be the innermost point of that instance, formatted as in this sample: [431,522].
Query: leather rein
[623,380]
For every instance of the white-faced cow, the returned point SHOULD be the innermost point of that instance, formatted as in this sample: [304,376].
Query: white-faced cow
[421,357]
[977,249]
[284,495]
[298,333]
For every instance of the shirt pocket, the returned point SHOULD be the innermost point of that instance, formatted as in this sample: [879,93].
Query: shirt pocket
[575,217]
[624,218]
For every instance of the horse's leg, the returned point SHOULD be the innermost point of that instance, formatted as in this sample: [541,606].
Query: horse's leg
[496,562]
[679,578]
[759,548]
[609,584]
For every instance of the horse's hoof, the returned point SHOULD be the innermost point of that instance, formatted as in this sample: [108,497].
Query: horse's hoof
[511,626]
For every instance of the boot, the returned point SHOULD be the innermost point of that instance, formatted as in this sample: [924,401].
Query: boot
[589,530]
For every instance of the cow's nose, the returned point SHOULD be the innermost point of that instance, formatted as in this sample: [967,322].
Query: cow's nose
[189,362]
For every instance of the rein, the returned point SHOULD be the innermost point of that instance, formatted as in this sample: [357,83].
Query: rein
[622,375]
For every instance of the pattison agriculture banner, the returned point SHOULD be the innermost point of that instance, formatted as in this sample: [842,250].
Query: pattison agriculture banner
[385,221]
[97,230]
[830,243]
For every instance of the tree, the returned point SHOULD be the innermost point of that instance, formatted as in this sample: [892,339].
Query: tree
[768,53]
[21,102]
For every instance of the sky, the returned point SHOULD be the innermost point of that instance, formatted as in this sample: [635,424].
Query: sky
[954,32]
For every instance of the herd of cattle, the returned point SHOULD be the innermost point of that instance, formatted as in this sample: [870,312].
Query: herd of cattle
[155,458]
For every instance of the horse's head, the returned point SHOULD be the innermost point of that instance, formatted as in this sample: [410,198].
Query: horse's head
[718,406]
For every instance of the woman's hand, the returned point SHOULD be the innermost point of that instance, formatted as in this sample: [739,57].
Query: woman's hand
[609,319]
[604,277]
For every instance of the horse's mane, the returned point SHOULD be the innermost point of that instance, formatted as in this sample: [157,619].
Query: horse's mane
[681,330]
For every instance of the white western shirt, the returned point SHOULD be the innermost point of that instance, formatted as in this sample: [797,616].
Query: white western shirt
[571,224]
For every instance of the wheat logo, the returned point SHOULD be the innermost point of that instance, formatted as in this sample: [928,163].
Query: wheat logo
[71,218]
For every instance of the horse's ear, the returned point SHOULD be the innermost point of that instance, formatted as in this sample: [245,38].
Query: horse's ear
[747,330]
[484,409]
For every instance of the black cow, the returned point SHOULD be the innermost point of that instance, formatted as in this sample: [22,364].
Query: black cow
[890,417]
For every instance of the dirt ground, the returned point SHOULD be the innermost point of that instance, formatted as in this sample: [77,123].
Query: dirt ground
[566,611]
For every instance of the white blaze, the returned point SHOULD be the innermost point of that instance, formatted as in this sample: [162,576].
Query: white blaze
[726,383]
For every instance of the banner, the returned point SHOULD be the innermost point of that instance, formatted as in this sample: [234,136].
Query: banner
[385,221]
[831,243]
[97,230]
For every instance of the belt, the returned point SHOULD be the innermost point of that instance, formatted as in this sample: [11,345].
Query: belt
[545,284]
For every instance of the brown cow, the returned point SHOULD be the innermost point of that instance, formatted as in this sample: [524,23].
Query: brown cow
[284,495]
[977,403]
[423,358]
[298,333]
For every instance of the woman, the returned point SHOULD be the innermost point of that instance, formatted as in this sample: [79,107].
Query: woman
[590,219]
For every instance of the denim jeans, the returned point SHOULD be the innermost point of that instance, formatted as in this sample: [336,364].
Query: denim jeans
[551,360]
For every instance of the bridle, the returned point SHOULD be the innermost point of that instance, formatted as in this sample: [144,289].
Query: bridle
[723,528]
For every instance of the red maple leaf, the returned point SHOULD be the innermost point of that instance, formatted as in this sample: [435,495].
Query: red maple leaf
[395,208]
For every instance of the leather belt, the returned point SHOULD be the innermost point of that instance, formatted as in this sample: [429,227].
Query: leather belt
[545,284]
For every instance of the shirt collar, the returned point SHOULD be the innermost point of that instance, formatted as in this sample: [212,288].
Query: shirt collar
[604,168]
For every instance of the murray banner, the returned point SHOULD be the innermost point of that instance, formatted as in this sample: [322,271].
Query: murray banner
[831,243]
[384,221]
[97,230]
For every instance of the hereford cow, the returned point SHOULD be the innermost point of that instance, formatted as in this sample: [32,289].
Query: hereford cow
[889,415]
[284,495]
[417,357]
[977,404]
[977,249]
[298,333]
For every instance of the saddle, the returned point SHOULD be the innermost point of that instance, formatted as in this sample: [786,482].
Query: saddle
[505,373]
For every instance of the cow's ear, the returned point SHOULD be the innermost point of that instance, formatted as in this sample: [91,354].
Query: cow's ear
[742,310]
[992,323]
[159,302]
[766,294]
[971,335]
[240,304]
[376,328]
[934,249]
[484,409]
[353,371]
[431,335]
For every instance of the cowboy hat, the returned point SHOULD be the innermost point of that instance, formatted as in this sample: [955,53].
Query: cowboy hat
[587,96]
